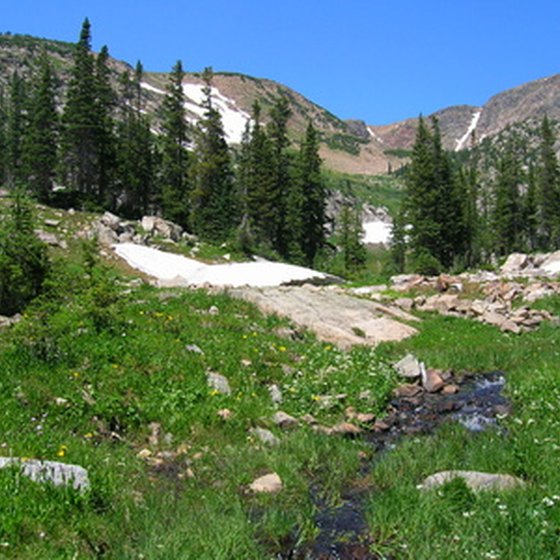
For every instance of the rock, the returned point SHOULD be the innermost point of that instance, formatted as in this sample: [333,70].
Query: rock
[264,436]
[450,389]
[194,349]
[52,223]
[405,303]
[432,380]
[515,263]
[9,321]
[59,474]
[365,417]
[60,401]
[443,303]
[224,413]
[407,391]
[158,226]
[275,393]
[551,264]
[267,484]
[381,426]
[477,481]
[110,220]
[144,454]
[409,367]
[309,419]
[49,238]
[213,310]
[284,420]
[218,382]
[155,432]
[346,429]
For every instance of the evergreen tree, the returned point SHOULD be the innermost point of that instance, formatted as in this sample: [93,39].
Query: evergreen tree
[80,130]
[23,258]
[257,176]
[548,189]
[3,136]
[508,211]
[40,145]
[351,233]
[135,157]
[309,186]
[105,102]
[212,197]
[275,207]
[15,130]
[175,188]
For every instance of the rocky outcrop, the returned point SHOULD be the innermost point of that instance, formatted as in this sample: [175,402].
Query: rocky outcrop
[476,481]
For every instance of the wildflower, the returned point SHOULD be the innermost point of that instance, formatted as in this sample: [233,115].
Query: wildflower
[282,348]
[61,451]
[89,435]
[214,392]
[548,502]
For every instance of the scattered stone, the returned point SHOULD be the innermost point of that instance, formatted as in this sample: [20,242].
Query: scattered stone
[477,481]
[407,391]
[381,426]
[431,380]
[9,321]
[405,303]
[155,225]
[275,393]
[267,484]
[213,310]
[194,349]
[264,436]
[60,401]
[409,367]
[144,454]
[224,413]
[246,363]
[346,429]
[310,419]
[218,382]
[52,223]
[59,474]
[155,432]
[284,420]
[365,417]
[450,389]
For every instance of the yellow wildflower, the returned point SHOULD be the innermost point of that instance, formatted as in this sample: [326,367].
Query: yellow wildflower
[61,451]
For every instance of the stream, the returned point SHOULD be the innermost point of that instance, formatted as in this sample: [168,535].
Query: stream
[343,529]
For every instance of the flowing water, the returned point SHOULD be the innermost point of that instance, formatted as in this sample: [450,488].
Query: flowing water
[343,529]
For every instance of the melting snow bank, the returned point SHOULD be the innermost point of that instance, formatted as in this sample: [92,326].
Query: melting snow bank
[176,270]
[377,231]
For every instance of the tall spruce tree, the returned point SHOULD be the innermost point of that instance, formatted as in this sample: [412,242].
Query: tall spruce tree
[3,139]
[212,197]
[548,184]
[15,130]
[257,176]
[135,157]
[105,102]
[175,160]
[308,180]
[507,217]
[278,189]
[41,140]
[80,130]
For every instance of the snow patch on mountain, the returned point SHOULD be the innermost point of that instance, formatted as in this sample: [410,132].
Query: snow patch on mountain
[462,142]
[377,231]
[373,135]
[233,118]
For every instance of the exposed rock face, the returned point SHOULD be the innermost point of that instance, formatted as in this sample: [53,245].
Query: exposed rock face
[154,225]
[333,315]
[59,474]
[477,481]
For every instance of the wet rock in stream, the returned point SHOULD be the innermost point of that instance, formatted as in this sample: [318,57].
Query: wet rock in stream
[476,404]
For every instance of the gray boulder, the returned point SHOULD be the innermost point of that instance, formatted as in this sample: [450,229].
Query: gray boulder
[477,481]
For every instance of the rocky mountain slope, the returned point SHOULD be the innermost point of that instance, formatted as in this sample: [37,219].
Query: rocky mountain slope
[347,146]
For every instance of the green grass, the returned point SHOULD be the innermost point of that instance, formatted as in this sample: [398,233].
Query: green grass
[516,525]
[94,364]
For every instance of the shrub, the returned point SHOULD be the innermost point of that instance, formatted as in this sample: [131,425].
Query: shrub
[23,258]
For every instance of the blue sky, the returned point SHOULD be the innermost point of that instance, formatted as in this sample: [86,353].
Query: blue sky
[377,60]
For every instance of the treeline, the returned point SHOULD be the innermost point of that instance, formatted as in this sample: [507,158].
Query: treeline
[97,149]
[450,220]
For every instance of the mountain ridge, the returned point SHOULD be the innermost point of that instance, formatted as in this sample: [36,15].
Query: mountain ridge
[348,146]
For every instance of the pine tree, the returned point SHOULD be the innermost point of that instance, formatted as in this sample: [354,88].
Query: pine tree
[275,209]
[351,233]
[105,102]
[212,198]
[15,130]
[40,145]
[80,124]
[548,189]
[135,157]
[507,212]
[175,188]
[3,136]
[312,190]
[530,211]
[257,176]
